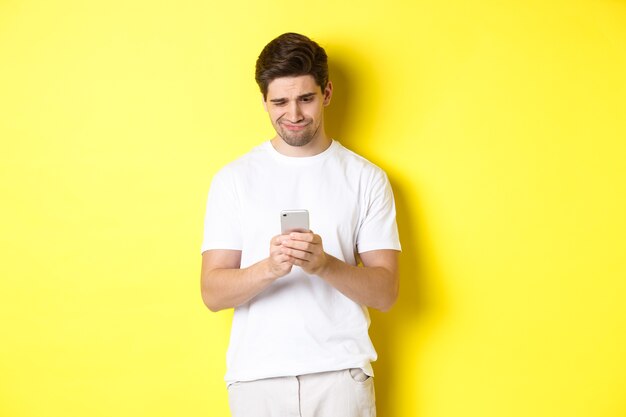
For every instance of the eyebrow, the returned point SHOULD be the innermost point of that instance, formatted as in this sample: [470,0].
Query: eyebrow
[307,95]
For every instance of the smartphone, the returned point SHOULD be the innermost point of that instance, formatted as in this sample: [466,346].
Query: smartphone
[294,221]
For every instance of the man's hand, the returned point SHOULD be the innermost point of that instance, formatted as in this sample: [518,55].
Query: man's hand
[279,263]
[305,250]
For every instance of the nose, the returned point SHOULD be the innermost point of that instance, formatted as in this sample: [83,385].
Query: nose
[294,114]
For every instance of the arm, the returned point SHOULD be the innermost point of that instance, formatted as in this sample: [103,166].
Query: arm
[224,284]
[374,285]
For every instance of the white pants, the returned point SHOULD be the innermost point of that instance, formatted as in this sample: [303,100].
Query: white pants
[346,393]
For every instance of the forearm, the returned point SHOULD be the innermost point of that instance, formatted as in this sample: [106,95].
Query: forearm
[230,287]
[373,286]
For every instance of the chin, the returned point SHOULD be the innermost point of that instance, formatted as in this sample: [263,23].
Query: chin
[298,142]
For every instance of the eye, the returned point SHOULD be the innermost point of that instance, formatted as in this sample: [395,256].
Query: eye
[307,99]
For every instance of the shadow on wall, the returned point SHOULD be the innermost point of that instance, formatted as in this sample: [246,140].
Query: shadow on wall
[337,118]
[389,331]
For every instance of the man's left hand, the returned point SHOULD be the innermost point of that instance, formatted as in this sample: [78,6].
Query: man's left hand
[306,251]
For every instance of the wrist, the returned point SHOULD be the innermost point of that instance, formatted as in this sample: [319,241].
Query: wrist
[323,270]
[262,271]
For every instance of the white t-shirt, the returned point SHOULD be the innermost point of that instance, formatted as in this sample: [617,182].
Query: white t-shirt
[299,324]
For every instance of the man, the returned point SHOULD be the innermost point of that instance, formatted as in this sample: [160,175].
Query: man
[299,344]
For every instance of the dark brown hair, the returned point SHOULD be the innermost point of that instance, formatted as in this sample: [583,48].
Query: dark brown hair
[291,55]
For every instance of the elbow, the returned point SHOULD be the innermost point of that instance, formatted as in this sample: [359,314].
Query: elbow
[385,303]
[213,307]
[209,300]
[210,295]
[385,307]
[210,303]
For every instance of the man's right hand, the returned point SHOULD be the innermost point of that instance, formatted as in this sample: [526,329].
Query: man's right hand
[278,263]
[224,284]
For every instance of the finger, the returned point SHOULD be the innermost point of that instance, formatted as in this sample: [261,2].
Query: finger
[278,240]
[305,237]
[280,258]
[276,251]
[309,237]
[299,245]
[298,254]
[299,262]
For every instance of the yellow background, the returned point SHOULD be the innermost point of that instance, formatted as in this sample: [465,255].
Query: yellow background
[500,123]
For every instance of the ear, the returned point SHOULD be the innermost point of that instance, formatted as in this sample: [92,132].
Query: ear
[264,102]
[328,93]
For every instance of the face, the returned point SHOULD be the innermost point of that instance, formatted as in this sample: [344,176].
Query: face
[296,108]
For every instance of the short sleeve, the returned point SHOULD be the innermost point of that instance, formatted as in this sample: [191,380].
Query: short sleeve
[378,229]
[222,227]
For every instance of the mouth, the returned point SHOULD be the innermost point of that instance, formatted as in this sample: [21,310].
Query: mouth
[294,128]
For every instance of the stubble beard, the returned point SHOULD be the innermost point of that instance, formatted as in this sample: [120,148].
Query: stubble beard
[297,139]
